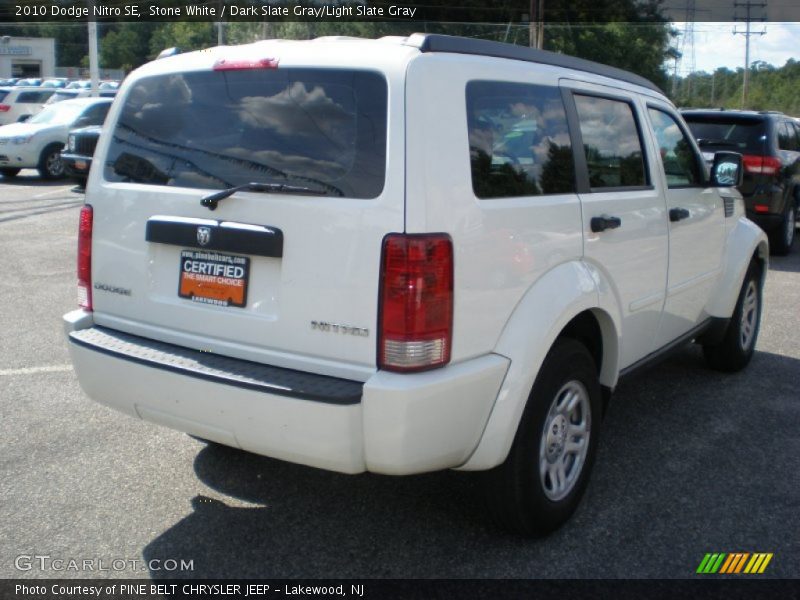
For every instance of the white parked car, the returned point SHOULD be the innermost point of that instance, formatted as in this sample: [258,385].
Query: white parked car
[37,143]
[64,94]
[22,102]
[404,255]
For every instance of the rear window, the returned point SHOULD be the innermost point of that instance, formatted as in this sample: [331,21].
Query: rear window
[34,97]
[59,96]
[3,94]
[320,128]
[737,134]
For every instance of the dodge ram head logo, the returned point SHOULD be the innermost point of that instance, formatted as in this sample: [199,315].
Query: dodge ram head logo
[203,235]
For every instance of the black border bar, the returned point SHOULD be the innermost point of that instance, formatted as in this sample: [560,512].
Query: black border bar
[218,369]
[223,236]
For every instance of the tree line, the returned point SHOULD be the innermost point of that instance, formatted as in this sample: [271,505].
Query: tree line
[769,88]
[632,36]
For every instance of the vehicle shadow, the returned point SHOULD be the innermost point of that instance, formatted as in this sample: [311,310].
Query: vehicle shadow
[789,263]
[30,177]
[307,521]
[676,439]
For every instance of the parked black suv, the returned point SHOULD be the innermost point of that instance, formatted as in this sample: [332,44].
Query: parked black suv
[77,156]
[770,143]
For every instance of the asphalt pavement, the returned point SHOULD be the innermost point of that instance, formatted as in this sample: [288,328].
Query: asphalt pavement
[690,462]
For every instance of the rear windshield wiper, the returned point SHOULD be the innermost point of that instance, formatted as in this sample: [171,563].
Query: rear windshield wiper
[211,201]
[706,142]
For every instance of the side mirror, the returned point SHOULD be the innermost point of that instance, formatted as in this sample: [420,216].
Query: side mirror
[727,170]
[23,118]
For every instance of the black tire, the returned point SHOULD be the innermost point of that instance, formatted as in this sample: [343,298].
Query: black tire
[520,496]
[50,164]
[9,173]
[781,240]
[736,349]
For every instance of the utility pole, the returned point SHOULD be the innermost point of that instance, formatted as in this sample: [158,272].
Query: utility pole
[220,26]
[713,82]
[748,6]
[687,48]
[536,24]
[94,66]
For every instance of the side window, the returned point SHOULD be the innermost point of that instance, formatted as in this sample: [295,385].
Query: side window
[611,142]
[783,135]
[95,115]
[678,158]
[519,143]
[787,139]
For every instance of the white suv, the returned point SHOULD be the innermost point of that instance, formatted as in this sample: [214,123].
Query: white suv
[37,143]
[404,255]
[18,102]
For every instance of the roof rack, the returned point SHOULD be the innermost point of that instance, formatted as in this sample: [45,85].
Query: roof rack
[429,42]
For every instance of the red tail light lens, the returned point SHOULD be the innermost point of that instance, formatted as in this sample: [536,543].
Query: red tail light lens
[246,64]
[770,165]
[85,257]
[4,108]
[415,320]
[767,165]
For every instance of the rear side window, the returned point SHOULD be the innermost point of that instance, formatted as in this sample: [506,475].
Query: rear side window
[3,94]
[320,128]
[739,134]
[519,143]
[611,142]
[34,97]
[95,115]
[787,140]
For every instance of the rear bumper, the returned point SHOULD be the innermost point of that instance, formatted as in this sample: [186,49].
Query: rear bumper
[395,424]
[766,221]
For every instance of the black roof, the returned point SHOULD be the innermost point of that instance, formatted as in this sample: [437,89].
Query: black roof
[730,113]
[460,45]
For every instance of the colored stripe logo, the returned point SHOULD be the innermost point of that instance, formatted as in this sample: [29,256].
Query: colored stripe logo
[734,563]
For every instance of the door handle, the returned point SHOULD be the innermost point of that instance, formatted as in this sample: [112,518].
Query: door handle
[678,214]
[604,222]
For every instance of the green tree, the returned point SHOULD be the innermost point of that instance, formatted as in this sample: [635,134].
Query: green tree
[125,47]
[184,35]
[770,88]
[622,33]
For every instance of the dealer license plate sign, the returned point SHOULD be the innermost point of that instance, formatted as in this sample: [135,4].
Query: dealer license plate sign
[214,278]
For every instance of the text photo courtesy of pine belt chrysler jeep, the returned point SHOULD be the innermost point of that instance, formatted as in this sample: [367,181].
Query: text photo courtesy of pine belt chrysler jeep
[404,255]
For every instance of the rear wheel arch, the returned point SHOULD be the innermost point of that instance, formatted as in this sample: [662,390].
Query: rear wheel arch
[595,329]
[586,308]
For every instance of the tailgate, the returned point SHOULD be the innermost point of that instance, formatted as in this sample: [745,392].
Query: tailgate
[280,277]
